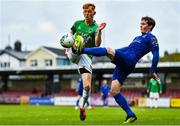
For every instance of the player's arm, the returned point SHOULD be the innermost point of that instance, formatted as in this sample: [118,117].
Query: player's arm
[155,59]
[73,29]
[99,34]
[148,86]
[73,32]
[160,86]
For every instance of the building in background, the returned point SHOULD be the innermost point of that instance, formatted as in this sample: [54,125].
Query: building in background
[13,58]
[47,57]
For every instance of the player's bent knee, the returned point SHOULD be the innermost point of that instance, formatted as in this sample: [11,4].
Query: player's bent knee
[111,53]
[113,92]
[87,88]
[109,50]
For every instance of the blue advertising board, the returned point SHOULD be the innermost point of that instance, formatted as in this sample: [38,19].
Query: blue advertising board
[41,100]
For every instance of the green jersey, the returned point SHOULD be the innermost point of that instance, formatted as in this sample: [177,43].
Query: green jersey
[154,86]
[87,32]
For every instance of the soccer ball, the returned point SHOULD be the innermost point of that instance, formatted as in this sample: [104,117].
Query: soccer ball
[67,40]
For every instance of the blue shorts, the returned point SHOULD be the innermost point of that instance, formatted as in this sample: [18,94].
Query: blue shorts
[80,92]
[125,63]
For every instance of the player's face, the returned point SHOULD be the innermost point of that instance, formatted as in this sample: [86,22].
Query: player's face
[144,27]
[89,13]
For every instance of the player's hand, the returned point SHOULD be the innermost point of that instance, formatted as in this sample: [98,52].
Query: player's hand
[102,26]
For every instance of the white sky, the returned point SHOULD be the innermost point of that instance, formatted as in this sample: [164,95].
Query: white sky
[41,22]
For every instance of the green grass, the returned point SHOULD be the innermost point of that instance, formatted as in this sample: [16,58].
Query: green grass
[58,115]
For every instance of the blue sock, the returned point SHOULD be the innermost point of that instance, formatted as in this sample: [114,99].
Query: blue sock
[77,103]
[123,103]
[96,51]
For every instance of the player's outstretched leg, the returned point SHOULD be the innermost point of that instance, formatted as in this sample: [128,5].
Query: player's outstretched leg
[95,51]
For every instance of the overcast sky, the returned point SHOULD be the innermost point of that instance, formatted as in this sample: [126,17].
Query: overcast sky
[41,22]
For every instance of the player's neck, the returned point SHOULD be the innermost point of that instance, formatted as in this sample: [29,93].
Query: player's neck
[145,33]
[89,22]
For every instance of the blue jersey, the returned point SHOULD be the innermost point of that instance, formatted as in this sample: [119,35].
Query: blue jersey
[105,89]
[80,87]
[127,57]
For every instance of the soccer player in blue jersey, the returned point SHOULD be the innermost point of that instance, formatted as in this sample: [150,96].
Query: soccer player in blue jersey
[126,58]
[80,93]
[105,92]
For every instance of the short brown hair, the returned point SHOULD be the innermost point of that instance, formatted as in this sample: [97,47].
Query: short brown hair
[150,21]
[87,5]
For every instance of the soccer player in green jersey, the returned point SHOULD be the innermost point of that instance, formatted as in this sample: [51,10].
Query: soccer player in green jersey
[154,88]
[87,32]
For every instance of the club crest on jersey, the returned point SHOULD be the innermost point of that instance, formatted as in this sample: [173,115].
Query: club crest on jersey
[90,30]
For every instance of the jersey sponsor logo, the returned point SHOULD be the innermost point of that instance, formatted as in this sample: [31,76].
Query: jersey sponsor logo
[137,41]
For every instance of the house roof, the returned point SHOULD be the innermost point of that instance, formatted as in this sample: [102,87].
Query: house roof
[57,51]
[60,52]
[20,55]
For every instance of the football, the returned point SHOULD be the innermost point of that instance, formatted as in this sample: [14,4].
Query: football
[67,40]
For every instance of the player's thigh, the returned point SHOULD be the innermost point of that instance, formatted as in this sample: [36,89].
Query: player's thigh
[86,80]
[119,74]
[85,63]
[115,87]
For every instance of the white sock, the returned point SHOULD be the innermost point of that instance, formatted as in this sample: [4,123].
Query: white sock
[151,102]
[85,97]
[156,103]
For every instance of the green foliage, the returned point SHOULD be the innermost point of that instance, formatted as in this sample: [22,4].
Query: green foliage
[58,115]
[175,57]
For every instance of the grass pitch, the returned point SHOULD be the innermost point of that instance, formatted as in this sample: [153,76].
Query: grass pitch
[62,115]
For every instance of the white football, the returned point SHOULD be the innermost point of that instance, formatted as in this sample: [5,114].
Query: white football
[67,40]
